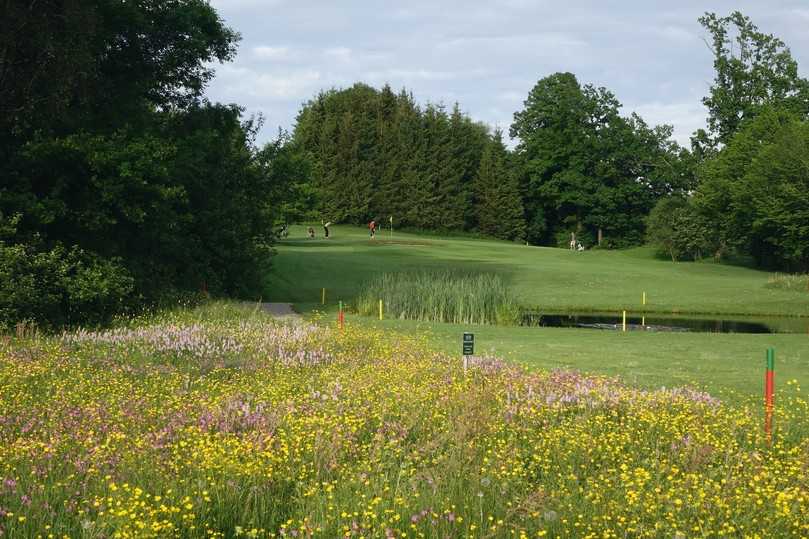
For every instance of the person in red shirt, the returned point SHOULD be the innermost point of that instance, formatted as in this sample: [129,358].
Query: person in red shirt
[372,228]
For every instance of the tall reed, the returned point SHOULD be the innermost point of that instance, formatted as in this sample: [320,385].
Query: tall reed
[441,296]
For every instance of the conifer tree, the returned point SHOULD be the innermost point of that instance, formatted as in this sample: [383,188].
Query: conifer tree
[499,205]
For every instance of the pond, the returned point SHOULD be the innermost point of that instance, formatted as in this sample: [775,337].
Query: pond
[668,322]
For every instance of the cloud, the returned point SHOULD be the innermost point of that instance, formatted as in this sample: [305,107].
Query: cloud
[265,52]
[686,117]
[342,54]
[231,5]
[511,96]
[394,74]
[269,85]
[677,33]
[485,55]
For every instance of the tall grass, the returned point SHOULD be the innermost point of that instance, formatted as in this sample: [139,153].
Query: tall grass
[441,296]
[788,281]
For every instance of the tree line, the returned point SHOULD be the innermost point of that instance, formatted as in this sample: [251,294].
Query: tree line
[752,193]
[377,154]
[581,167]
[121,184]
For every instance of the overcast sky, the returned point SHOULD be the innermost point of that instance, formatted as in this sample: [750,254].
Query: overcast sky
[485,55]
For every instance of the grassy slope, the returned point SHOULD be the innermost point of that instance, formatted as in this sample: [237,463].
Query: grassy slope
[550,279]
[558,279]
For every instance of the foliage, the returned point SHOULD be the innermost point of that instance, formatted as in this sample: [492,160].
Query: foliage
[378,154]
[161,429]
[110,155]
[678,231]
[497,194]
[98,64]
[754,191]
[587,168]
[60,286]
[441,296]
[754,71]
[289,171]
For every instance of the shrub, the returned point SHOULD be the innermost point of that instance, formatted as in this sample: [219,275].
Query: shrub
[676,230]
[442,296]
[59,286]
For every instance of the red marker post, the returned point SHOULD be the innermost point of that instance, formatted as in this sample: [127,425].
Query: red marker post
[769,390]
[340,316]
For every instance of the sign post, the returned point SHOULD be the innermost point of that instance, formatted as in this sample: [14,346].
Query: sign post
[769,391]
[468,349]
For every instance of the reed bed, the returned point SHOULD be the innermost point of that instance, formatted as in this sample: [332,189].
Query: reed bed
[441,296]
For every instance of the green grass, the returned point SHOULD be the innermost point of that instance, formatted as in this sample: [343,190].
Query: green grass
[795,283]
[540,277]
[556,279]
[727,365]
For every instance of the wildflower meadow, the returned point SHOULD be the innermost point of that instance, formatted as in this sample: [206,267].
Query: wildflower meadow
[222,422]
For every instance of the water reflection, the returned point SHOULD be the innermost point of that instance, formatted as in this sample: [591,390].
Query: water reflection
[655,322]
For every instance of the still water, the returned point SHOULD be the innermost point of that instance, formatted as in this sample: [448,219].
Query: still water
[668,322]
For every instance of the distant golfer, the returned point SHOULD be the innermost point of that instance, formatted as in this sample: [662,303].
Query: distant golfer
[372,228]
[326,228]
[311,232]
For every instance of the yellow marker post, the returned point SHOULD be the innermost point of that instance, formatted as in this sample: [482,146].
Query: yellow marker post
[644,298]
[380,309]
[322,296]
[624,322]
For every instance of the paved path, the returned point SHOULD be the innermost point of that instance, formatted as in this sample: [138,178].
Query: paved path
[280,309]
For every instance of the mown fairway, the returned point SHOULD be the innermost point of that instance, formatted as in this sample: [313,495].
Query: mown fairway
[556,279]
[549,279]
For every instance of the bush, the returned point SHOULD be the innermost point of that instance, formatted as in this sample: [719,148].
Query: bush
[678,231]
[59,286]
[442,296]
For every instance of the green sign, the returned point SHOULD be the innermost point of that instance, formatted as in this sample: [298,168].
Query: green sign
[468,344]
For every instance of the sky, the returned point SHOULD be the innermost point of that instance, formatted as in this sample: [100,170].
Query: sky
[485,55]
